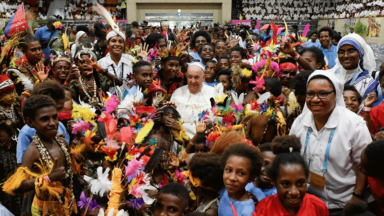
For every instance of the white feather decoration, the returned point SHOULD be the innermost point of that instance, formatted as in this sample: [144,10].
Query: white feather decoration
[219,90]
[139,95]
[264,97]
[236,99]
[101,212]
[83,104]
[122,213]
[26,81]
[292,102]
[107,16]
[110,213]
[100,185]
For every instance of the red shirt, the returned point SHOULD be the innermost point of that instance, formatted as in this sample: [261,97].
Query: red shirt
[377,189]
[272,206]
[377,118]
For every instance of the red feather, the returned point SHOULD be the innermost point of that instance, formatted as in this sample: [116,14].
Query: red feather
[110,128]
[111,152]
[144,109]
[64,115]
[274,34]
[125,135]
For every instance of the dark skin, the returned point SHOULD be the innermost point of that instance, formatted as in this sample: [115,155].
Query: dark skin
[235,58]
[144,77]
[33,52]
[46,124]
[325,40]
[249,43]
[170,69]
[200,41]
[308,56]
[351,101]
[210,72]
[286,47]
[291,186]
[263,181]
[244,87]
[220,49]
[348,57]
[90,64]
[224,79]
[207,53]
[206,196]
[257,126]
[167,122]
[64,73]
[171,205]
[224,64]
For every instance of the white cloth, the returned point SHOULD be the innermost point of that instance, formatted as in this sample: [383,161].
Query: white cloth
[4,211]
[187,102]
[78,36]
[123,69]
[115,33]
[350,138]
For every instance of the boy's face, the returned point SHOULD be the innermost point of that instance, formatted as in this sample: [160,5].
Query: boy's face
[224,64]
[171,67]
[169,115]
[200,148]
[144,77]
[170,205]
[225,81]
[210,72]
[46,122]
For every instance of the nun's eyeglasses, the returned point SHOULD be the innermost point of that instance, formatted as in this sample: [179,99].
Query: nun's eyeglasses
[349,51]
[320,95]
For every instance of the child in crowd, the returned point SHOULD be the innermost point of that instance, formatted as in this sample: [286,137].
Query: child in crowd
[206,179]
[289,173]
[199,142]
[54,90]
[210,73]
[241,164]
[224,77]
[224,62]
[263,183]
[371,165]
[143,75]
[172,200]
[376,123]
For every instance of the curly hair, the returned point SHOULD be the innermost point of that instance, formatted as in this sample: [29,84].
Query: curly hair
[224,141]
[198,34]
[36,102]
[206,44]
[24,42]
[207,167]
[244,150]
[50,88]
[327,29]
[374,155]
[316,53]
[241,51]
[177,190]
[153,39]
[136,67]
[299,83]
[265,147]
[281,148]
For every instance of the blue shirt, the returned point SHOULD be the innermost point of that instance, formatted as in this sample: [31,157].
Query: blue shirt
[131,91]
[26,137]
[262,193]
[212,84]
[311,44]
[42,34]
[331,55]
[243,208]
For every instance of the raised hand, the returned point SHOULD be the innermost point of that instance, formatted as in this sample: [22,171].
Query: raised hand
[144,52]
[286,48]
[370,100]
[201,127]
[233,41]
[41,72]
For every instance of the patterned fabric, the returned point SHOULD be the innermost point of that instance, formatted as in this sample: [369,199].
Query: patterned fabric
[173,83]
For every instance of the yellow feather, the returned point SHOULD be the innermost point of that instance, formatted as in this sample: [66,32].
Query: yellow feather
[286,30]
[65,40]
[144,132]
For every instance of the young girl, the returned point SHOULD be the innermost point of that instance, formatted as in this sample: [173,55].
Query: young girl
[241,164]
[205,176]
[262,186]
[289,174]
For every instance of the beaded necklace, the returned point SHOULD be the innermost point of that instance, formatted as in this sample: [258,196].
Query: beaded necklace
[48,161]
[94,99]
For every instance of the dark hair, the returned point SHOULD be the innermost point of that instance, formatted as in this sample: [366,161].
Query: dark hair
[225,72]
[178,190]
[73,93]
[265,147]
[336,37]
[50,88]
[206,44]
[374,155]
[222,57]
[326,28]
[135,24]
[381,74]
[170,108]
[219,41]
[24,42]
[314,32]
[91,34]
[246,151]
[299,83]
[281,148]
[83,28]
[352,88]
[295,26]
[207,167]
[316,53]
[198,34]
[273,85]
[198,214]
[152,39]
[136,67]
[200,138]
[100,34]
[211,61]
[322,77]
[240,50]
[36,102]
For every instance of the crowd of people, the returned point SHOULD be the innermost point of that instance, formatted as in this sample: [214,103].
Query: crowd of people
[99,120]
[307,10]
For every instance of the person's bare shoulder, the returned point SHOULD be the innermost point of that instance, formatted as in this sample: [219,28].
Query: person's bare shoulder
[31,155]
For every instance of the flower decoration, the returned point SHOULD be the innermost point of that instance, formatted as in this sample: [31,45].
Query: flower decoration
[58,25]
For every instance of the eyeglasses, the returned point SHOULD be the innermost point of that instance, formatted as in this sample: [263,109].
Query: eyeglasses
[320,95]
[349,51]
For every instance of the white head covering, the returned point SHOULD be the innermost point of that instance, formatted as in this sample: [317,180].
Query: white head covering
[367,59]
[115,33]
[339,87]
[78,36]
[197,64]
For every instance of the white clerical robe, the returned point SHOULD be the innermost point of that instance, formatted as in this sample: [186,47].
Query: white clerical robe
[190,105]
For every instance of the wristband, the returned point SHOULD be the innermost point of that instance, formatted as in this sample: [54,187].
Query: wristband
[297,56]
[367,109]
[357,195]
[46,178]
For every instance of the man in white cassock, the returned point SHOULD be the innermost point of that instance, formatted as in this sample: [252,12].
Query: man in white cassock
[193,98]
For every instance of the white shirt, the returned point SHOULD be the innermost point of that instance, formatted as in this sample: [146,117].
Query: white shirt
[350,138]
[186,104]
[123,70]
